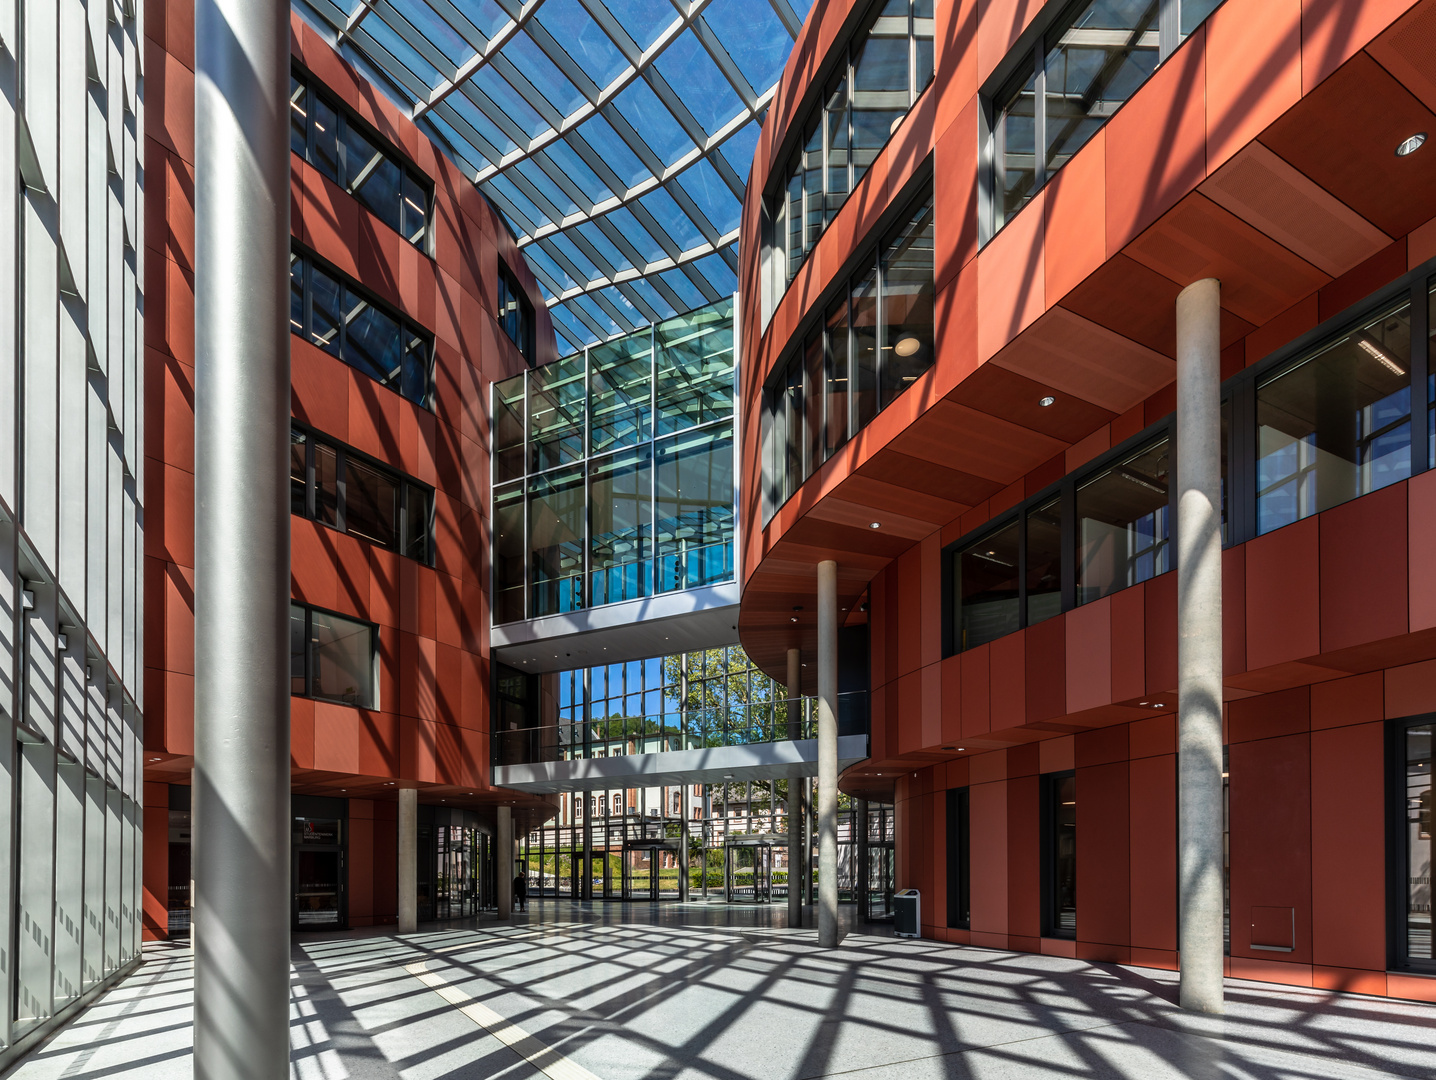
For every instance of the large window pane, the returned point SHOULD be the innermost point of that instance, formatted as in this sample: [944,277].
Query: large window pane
[417,373]
[415,210]
[1416,818]
[1061,871]
[1016,150]
[813,405]
[372,340]
[620,392]
[865,346]
[1122,524]
[985,580]
[326,310]
[814,215]
[556,542]
[418,522]
[621,545]
[693,512]
[326,485]
[508,438]
[837,378]
[298,653]
[791,419]
[298,117]
[508,553]
[1094,64]
[1194,11]
[372,176]
[1337,424]
[835,118]
[341,659]
[907,279]
[296,293]
[324,155]
[556,404]
[694,381]
[298,473]
[371,504]
[1044,561]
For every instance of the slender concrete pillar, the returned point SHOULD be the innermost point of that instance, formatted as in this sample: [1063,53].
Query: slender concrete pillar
[683,845]
[795,799]
[505,843]
[827,754]
[408,860]
[1199,645]
[241,520]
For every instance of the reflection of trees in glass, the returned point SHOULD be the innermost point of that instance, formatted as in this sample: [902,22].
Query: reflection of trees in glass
[728,700]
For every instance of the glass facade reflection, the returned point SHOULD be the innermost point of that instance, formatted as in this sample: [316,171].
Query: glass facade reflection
[1414,939]
[613,470]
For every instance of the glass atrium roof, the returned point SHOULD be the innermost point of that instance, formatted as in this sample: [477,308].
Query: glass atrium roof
[614,135]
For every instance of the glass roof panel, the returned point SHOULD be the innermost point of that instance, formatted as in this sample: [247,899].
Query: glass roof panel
[583,39]
[650,118]
[672,219]
[643,20]
[543,73]
[693,75]
[717,201]
[754,37]
[431,56]
[616,153]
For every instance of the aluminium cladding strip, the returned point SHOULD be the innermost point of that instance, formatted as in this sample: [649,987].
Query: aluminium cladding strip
[542,1057]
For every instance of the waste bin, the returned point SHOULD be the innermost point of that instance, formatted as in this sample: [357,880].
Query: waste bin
[907,913]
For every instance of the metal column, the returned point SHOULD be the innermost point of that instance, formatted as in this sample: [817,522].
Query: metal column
[795,800]
[827,754]
[505,860]
[408,860]
[1199,645]
[241,633]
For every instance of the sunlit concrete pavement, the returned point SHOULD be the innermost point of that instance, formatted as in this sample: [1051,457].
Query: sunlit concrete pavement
[618,994]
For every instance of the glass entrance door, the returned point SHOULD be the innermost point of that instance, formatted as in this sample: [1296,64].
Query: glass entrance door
[317,890]
[640,873]
[878,882]
[748,873]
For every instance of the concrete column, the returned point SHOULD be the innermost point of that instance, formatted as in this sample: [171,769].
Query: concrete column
[1199,645]
[827,754]
[505,860]
[241,520]
[408,860]
[683,845]
[795,798]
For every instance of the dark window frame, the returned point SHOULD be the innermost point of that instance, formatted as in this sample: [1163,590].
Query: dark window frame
[1026,59]
[403,481]
[309,611]
[1397,853]
[1239,399]
[508,290]
[407,326]
[840,58]
[1047,814]
[348,118]
[959,858]
[775,436]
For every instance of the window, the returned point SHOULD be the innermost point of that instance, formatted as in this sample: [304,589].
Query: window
[1337,423]
[1412,846]
[335,315]
[1059,855]
[871,344]
[344,490]
[1123,517]
[515,314]
[888,64]
[332,657]
[986,577]
[348,153]
[1092,57]
[959,859]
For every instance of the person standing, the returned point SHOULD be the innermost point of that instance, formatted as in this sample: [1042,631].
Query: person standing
[521,892]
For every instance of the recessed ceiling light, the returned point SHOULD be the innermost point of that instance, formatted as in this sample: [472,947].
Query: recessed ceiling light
[876,525]
[792,618]
[961,748]
[1048,400]
[1411,145]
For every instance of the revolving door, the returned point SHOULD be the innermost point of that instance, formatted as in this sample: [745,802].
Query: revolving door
[651,869]
[748,865]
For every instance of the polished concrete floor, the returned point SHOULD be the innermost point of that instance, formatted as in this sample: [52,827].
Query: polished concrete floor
[707,992]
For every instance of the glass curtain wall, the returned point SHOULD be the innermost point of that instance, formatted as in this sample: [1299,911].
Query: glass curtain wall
[871,344]
[613,470]
[1414,847]
[889,63]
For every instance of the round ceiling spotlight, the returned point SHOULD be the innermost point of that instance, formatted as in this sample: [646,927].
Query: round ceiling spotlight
[1049,400]
[876,525]
[907,346]
[1411,145]
[792,618]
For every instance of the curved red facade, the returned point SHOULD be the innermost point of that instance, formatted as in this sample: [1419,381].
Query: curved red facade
[431,727]
[1260,153]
